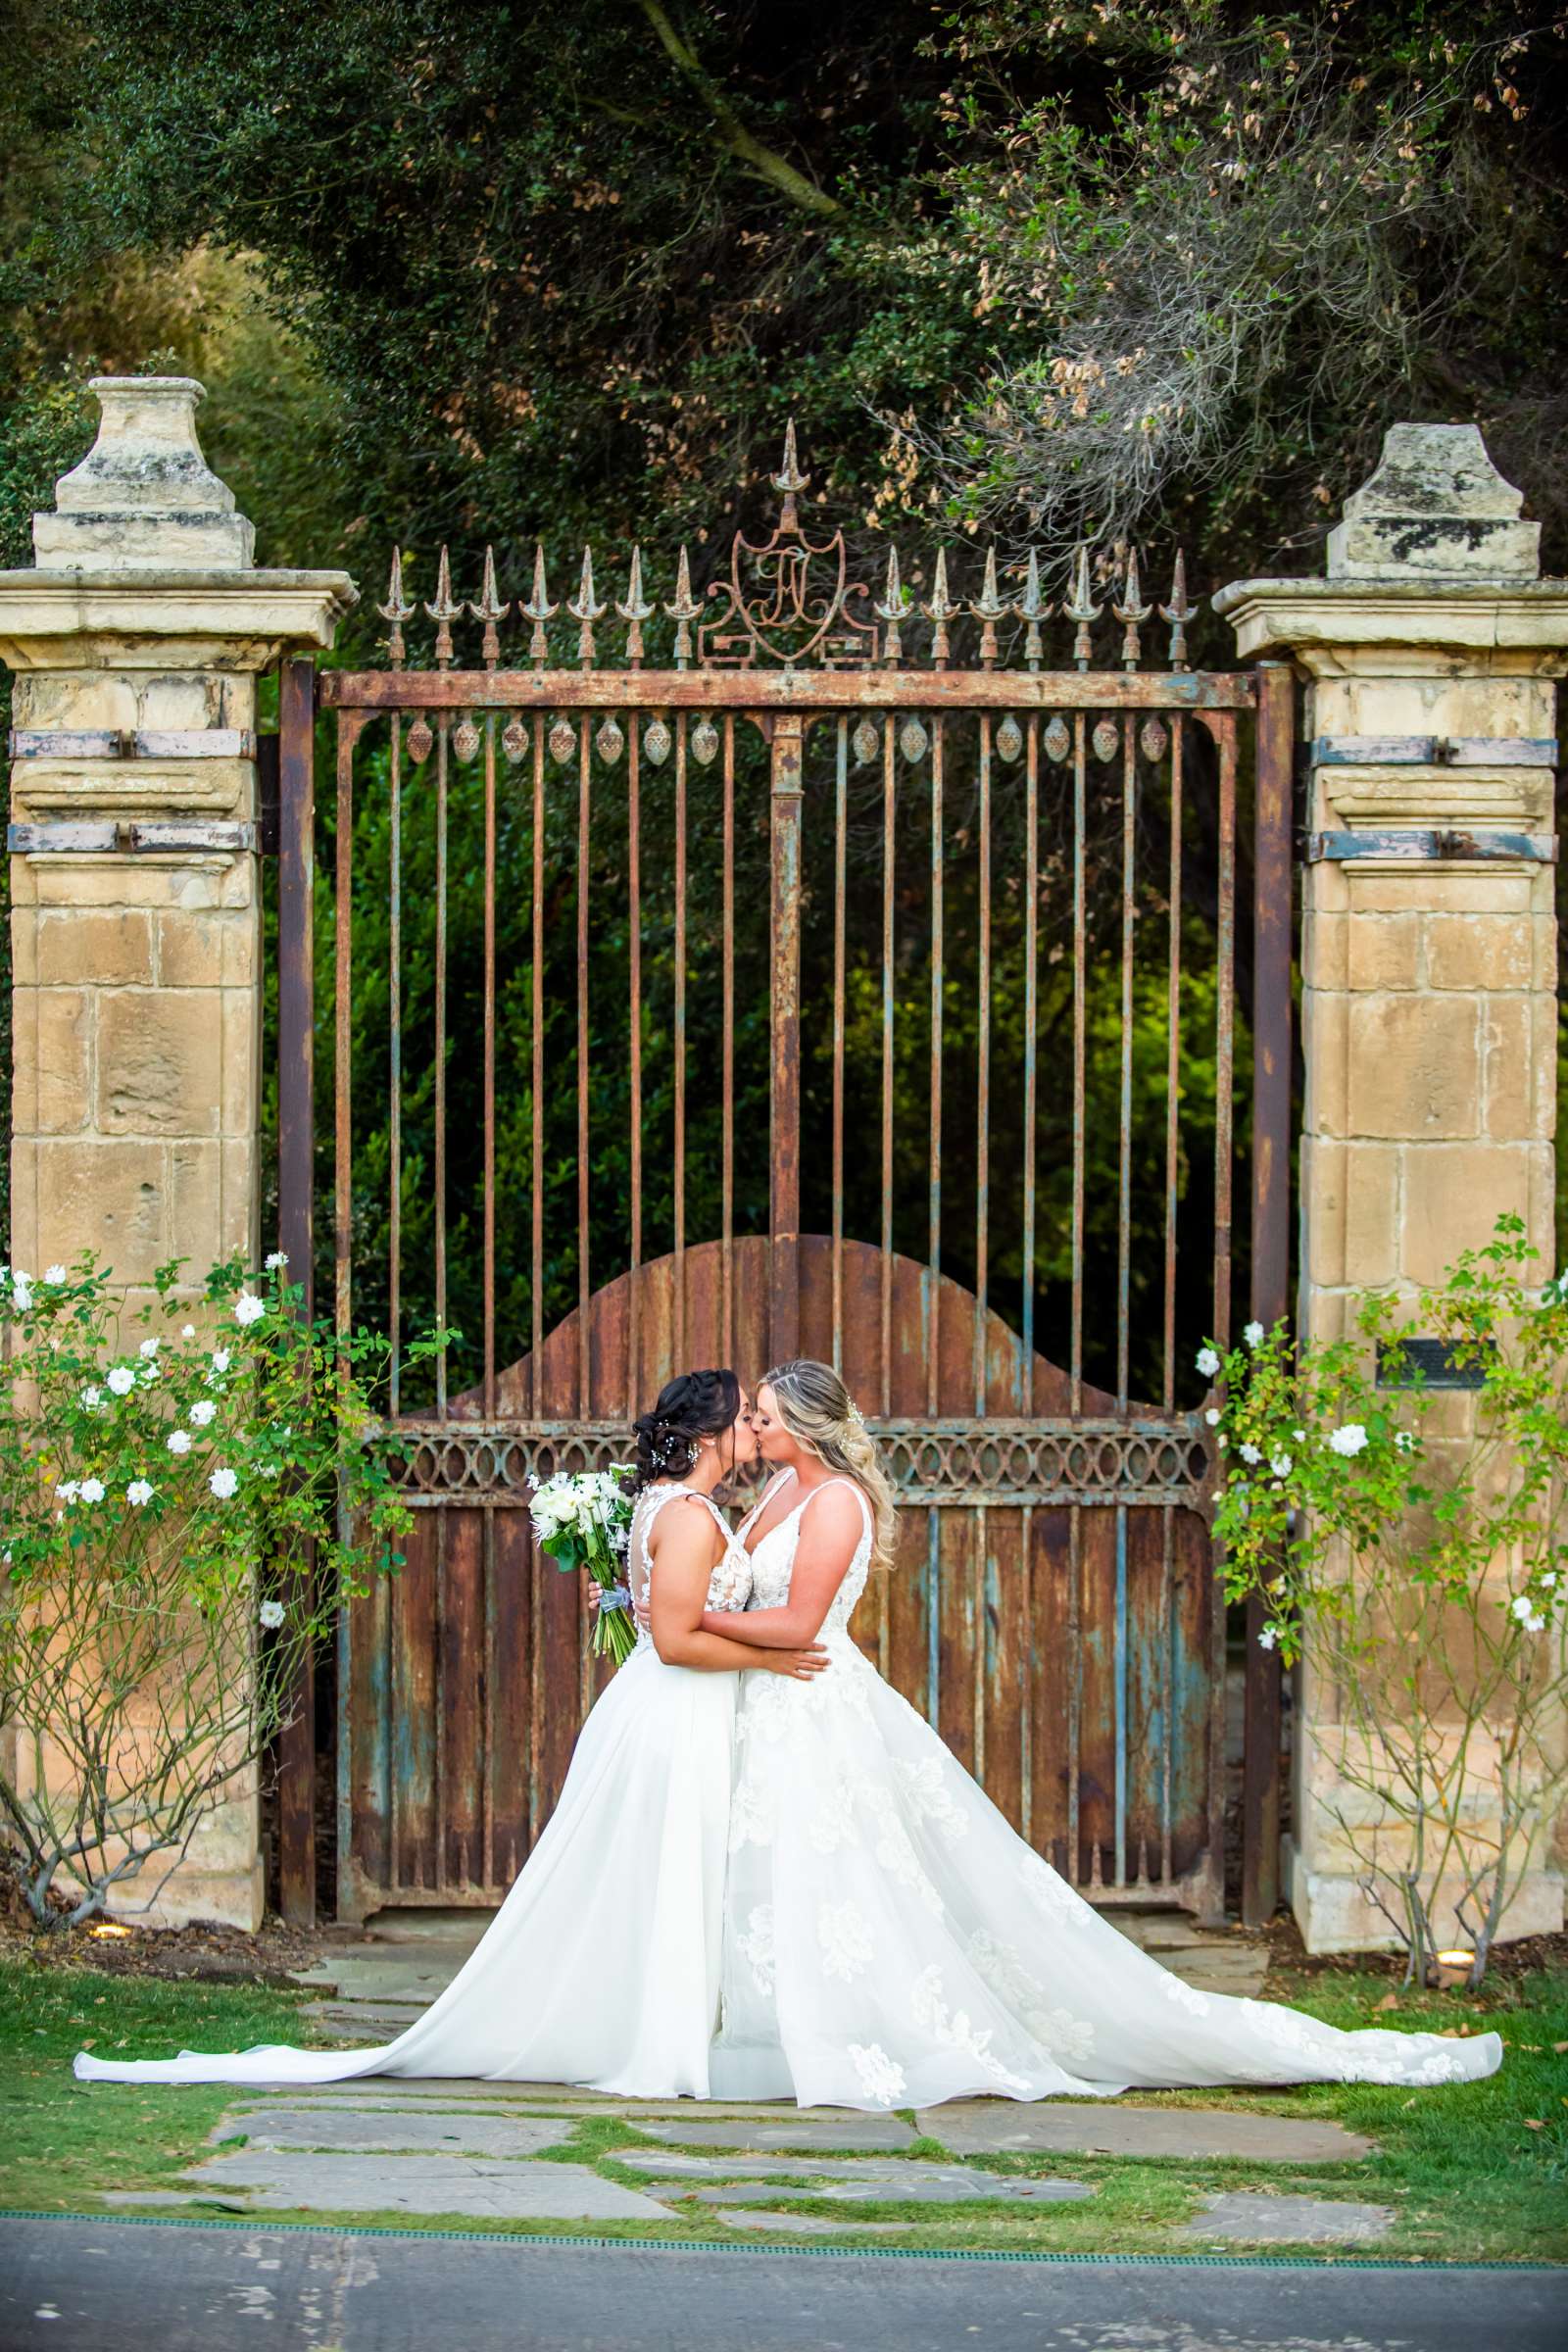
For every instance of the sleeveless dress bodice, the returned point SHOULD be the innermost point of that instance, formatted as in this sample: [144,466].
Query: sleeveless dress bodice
[729,1587]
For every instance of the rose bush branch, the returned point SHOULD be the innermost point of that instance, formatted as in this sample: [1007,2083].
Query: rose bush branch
[190,1495]
[1421,1574]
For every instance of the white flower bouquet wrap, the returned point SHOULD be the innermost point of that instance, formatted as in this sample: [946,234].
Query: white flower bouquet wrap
[583,1521]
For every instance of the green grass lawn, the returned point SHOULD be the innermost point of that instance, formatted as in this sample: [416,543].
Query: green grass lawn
[1474,2172]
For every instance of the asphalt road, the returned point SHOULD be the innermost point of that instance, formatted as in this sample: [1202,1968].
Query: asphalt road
[72,2283]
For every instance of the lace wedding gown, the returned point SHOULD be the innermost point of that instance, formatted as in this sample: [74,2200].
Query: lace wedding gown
[889,1941]
[602,1966]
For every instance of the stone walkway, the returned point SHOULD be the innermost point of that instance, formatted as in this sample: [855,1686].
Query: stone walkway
[508,2152]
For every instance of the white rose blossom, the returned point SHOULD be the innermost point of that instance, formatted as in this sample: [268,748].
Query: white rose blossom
[1522,1606]
[179,1441]
[68,1490]
[92,1490]
[187,1331]
[1212,1416]
[275,1259]
[20,1294]
[148,1347]
[249,1309]
[122,1378]
[1348,1440]
[1251,1455]
[56,1274]
[202,1411]
[92,1397]
[219,1359]
[271,1615]
[1252,1334]
[1279,1464]
[223,1483]
[1208,1362]
[1268,1637]
[140,1492]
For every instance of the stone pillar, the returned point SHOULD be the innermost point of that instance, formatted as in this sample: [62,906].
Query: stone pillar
[1428,945]
[136,641]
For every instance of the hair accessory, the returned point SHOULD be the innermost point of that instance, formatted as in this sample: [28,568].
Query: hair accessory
[855,1415]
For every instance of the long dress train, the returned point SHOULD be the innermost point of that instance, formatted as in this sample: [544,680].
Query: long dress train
[889,1941]
[602,1966]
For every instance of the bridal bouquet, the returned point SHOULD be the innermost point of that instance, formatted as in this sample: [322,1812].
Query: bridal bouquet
[584,1521]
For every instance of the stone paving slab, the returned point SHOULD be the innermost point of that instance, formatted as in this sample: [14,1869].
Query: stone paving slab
[1288,2221]
[834,2131]
[936,2186]
[343,2183]
[917,2182]
[1104,2128]
[367,2131]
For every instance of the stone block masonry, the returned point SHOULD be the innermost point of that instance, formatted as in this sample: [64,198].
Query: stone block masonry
[136,641]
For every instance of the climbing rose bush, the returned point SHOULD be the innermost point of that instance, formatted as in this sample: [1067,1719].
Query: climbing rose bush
[1416,1559]
[188,1494]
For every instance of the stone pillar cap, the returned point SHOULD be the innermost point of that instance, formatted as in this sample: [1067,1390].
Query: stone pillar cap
[143,498]
[1435,505]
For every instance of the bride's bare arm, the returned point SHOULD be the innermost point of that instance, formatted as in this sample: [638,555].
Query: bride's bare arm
[830,1532]
[683,1564]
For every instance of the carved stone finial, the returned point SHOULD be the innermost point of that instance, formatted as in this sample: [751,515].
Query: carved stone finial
[143,498]
[1436,504]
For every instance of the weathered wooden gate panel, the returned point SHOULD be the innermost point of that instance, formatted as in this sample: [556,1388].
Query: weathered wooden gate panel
[807,992]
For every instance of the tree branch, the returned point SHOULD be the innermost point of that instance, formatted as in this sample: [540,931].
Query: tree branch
[732,133]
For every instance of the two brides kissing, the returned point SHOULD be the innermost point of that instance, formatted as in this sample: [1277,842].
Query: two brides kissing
[793,1888]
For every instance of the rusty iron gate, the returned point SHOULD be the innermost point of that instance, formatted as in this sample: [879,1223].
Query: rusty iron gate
[824,978]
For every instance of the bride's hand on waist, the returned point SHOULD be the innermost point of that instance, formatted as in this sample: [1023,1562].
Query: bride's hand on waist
[798,1665]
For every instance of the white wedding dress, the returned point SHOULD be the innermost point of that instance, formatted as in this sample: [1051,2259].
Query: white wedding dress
[601,1967]
[889,1941]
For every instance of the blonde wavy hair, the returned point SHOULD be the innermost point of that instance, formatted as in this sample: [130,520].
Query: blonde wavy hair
[817,1408]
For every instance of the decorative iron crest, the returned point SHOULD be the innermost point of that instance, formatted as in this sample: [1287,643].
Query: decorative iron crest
[789,603]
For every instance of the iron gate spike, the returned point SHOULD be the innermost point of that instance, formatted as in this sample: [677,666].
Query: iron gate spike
[987,609]
[1130,613]
[634,612]
[443,612]
[683,611]
[788,481]
[939,611]
[1178,613]
[585,609]
[894,609]
[1032,608]
[539,610]
[396,610]
[1082,608]
[491,610]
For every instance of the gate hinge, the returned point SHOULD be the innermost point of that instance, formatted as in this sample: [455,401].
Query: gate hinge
[132,742]
[129,837]
[1434,751]
[1430,846]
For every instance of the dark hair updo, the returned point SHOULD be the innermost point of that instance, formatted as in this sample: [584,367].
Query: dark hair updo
[692,1405]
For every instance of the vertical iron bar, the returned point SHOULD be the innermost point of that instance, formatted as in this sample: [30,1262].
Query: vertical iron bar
[839,901]
[679,1180]
[395,1053]
[1079,1022]
[982,1209]
[1124,1132]
[296,1169]
[537,1048]
[1031,1022]
[889,803]
[784,1095]
[634,945]
[585,1403]
[1173,1063]
[933,1343]
[443,736]
[490,1067]
[1225,1028]
[727,1173]
[1270,1275]
[348,728]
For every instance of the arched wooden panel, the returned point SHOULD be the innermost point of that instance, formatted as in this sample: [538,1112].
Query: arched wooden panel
[1053,1611]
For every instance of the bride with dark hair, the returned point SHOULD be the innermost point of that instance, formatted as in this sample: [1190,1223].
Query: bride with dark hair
[601,1967]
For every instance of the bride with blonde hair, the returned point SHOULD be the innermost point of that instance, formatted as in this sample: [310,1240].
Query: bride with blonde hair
[889,1941]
